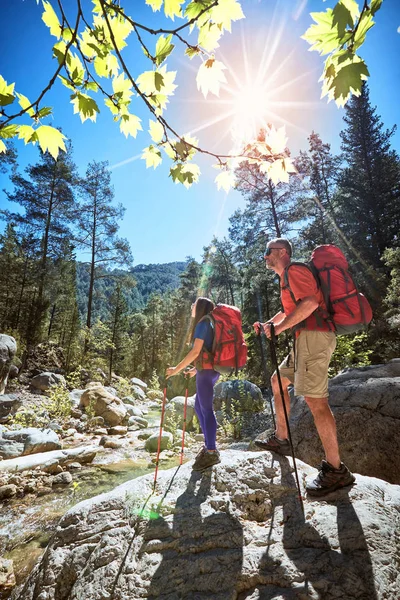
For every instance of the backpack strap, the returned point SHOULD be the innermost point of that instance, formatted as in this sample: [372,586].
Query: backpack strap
[321,316]
[206,354]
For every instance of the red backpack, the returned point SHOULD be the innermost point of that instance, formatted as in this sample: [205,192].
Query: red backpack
[348,309]
[229,350]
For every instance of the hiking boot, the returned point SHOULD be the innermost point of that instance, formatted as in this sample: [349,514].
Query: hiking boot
[205,460]
[330,479]
[272,443]
[200,453]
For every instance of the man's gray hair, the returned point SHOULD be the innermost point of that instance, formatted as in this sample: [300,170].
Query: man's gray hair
[284,243]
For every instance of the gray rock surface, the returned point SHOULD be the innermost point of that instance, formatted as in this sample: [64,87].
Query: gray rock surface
[45,381]
[137,392]
[8,348]
[9,405]
[246,395]
[366,405]
[151,443]
[139,382]
[236,532]
[177,404]
[49,460]
[103,404]
[75,396]
[28,440]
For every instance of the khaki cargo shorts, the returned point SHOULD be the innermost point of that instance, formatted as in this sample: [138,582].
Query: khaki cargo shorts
[313,354]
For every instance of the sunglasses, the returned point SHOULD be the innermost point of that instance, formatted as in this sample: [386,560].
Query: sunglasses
[269,250]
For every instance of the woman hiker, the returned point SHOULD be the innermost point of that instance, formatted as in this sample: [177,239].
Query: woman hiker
[202,337]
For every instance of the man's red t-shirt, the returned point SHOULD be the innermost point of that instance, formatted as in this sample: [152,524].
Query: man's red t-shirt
[302,284]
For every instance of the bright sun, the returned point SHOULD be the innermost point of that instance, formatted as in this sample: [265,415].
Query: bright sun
[250,107]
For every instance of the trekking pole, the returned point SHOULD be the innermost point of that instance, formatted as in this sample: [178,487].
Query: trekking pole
[160,434]
[184,418]
[276,365]
[264,364]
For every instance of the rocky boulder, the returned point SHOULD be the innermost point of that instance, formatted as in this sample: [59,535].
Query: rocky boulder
[366,405]
[167,439]
[9,405]
[234,532]
[103,404]
[244,394]
[29,440]
[176,405]
[138,393]
[46,380]
[8,348]
[139,382]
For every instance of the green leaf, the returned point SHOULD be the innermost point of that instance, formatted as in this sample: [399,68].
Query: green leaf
[50,18]
[106,67]
[59,50]
[130,125]
[155,4]
[25,132]
[225,12]
[163,49]
[210,76]
[50,139]
[191,52]
[209,36]
[3,147]
[85,106]
[121,84]
[91,86]
[342,18]
[152,156]
[186,173]
[364,25]
[121,29]
[348,79]
[6,92]
[150,82]
[44,112]
[67,83]
[8,131]
[76,69]
[156,131]
[24,103]
[225,180]
[324,35]
[375,6]
[172,8]
[114,109]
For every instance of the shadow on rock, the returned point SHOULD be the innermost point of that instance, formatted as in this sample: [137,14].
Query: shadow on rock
[334,562]
[196,555]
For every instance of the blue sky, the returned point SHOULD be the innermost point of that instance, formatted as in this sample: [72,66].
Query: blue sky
[163,221]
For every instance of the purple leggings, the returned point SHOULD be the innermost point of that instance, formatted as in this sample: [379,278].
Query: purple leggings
[205,381]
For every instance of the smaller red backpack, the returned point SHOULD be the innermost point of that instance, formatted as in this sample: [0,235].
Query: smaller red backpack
[229,350]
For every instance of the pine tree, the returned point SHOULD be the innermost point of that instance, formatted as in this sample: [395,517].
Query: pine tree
[98,226]
[320,171]
[48,200]
[368,198]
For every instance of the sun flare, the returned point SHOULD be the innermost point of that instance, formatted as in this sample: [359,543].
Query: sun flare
[250,107]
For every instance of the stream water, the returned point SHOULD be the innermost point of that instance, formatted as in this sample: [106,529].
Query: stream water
[26,524]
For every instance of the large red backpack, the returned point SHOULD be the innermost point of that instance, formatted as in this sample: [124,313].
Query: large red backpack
[229,350]
[348,309]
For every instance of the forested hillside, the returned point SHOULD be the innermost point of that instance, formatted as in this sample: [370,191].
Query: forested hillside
[135,321]
[147,279]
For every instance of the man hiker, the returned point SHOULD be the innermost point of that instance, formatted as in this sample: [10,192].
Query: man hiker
[306,366]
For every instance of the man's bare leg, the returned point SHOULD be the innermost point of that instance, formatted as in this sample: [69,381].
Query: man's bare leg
[326,427]
[281,428]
